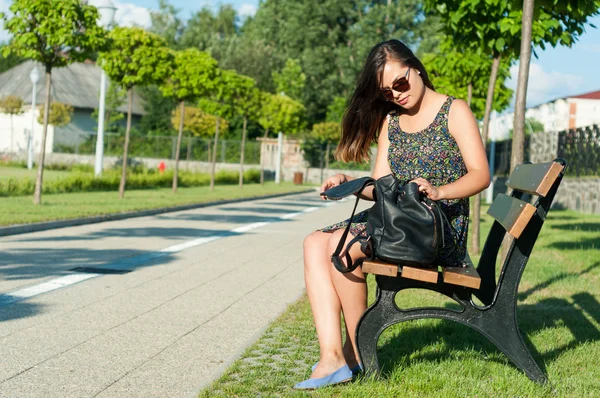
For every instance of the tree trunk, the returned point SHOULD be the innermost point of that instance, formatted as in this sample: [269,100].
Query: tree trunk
[489,101]
[126,145]
[469,93]
[521,95]
[175,171]
[37,196]
[262,166]
[214,156]
[242,151]
[327,150]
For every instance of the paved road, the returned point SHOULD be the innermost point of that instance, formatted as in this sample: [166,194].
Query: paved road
[203,285]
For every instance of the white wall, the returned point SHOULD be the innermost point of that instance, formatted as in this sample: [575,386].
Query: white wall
[588,112]
[21,124]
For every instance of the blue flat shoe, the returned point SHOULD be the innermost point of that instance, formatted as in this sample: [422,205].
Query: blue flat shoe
[342,375]
[355,370]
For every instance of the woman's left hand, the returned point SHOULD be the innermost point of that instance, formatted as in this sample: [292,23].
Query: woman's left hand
[425,186]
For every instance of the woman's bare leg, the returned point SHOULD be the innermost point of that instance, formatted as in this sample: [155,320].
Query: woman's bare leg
[327,298]
[324,303]
[351,289]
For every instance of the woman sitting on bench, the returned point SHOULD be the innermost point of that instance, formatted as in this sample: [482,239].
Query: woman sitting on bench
[422,136]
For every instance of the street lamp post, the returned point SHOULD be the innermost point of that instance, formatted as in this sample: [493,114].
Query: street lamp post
[34,76]
[107,9]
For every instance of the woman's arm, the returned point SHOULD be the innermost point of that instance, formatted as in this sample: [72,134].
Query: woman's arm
[463,127]
[381,169]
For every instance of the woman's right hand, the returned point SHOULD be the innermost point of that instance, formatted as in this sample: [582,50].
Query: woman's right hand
[333,181]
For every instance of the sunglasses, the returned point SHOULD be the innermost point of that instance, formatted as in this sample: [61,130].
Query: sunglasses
[400,85]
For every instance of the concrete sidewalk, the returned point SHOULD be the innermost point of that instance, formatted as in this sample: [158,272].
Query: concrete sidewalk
[203,285]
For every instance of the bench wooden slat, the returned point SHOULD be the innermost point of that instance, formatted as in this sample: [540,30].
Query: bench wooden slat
[379,268]
[536,178]
[420,274]
[512,213]
[462,276]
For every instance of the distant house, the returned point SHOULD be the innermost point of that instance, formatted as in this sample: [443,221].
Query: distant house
[556,115]
[77,85]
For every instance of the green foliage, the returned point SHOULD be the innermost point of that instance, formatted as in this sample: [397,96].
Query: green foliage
[532,126]
[209,32]
[166,23]
[158,111]
[9,61]
[59,115]
[451,70]
[331,40]
[280,113]
[53,32]
[336,110]
[109,181]
[115,98]
[11,105]
[495,25]
[326,132]
[193,75]
[198,123]
[291,80]
[136,57]
[224,96]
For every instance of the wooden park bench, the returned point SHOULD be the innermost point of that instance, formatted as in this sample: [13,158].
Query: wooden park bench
[495,316]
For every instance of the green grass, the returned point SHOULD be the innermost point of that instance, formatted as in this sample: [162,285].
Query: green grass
[21,210]
[558,310]
[18,173]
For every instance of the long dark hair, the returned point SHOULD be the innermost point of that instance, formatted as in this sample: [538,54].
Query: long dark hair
[367,109]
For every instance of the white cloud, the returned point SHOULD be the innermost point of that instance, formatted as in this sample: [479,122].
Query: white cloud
[247,10]
[544,86]
[128,14]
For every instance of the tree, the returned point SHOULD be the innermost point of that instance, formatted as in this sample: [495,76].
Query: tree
[55,33]
[197,122]
[166,23]
[11,105]
[247,104]
[465,74]
[331,40]
[59,115]
[336,109]
[115,98]
[9,61]
[157,120]
[280,113]
[221,104]
[291,80]
[135,58]
[327,133]
[555,22]
[193,76]
[494,27]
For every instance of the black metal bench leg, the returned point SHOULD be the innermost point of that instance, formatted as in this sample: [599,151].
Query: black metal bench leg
[372,323]
[509,340]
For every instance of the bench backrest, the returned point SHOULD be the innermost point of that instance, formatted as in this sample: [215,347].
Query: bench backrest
[521,220]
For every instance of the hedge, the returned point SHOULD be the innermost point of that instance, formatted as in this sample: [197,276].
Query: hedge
[109,181]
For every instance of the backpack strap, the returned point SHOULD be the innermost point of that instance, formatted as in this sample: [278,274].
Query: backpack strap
[335,257]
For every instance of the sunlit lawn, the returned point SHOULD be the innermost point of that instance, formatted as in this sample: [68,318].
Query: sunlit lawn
[558,309]
[21,210]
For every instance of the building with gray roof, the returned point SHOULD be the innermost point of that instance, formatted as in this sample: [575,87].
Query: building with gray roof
[77,85]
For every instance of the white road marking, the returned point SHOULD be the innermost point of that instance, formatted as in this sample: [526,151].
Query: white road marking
[71,279]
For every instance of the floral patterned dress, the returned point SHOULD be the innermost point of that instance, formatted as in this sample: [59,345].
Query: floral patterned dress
[432,154]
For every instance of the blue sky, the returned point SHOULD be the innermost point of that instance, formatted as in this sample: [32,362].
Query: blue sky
[558,72]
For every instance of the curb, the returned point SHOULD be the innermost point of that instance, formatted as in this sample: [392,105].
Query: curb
[43,226]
